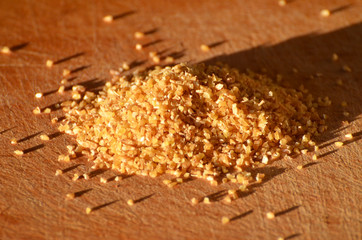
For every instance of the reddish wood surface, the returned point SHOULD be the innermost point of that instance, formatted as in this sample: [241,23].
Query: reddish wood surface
[321,201]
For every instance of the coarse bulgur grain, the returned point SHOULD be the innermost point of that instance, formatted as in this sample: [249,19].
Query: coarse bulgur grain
[199,120]
[13,141]
[315,157]
[300,167]
[86,176]
[338,144]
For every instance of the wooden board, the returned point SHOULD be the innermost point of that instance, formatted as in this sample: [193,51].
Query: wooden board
[321,201]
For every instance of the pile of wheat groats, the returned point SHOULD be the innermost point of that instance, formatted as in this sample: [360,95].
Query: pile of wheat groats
[202,121]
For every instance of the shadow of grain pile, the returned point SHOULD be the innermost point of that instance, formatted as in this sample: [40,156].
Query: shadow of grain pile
[308,60]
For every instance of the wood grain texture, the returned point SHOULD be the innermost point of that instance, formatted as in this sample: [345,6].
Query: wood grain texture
[321,201]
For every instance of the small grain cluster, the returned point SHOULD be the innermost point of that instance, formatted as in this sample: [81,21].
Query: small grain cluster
[204,121]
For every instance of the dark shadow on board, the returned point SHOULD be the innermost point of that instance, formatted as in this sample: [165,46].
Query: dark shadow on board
[311,55]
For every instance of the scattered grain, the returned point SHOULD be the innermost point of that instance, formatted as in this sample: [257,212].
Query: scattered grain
[152,54]
[37,110]
[172,184]
[314,157]
[204,48]
[13,141]
[325,13]
[156,59]
[194,201]
[335,57]
[206,200]
[49,63]
[300,167]
[70,196]
[225,220]
[44,137]
[166,181]
[338,144]
[227,199]
[58,172]
[54,120]
[346,114]
[5,50]
[138,46]
[38,95]
[346,68]
[108,18]
[280,238]
[125,66]
[169,59]
[18,152]
[282,3]
[64,81]
[130,202]
[270,215]
[86,176]
[103,180]
[348,136]
[139,35]
[47,110]
[88,210]
[75,177]
[61,89]
[66,72]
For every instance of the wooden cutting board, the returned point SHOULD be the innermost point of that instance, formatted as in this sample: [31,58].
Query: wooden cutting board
[320,201]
